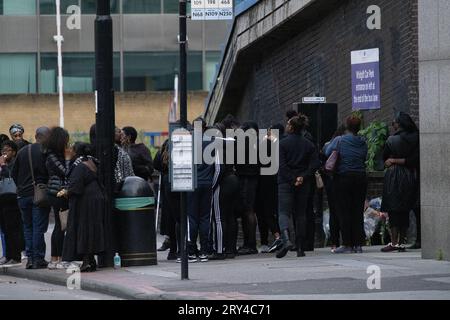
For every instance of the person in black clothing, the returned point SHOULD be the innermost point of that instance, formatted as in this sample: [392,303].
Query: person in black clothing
[199,205]
[16,131]
[248,174]
[331,198]
[225,188]
[139,154]
[58,165]
[35,219]
[170,211]
[350,185]
[86,232]
[298,164]
[10,220]
[401,184]
[267,195]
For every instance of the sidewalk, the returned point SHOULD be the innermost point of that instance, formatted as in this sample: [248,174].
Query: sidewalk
[320,275]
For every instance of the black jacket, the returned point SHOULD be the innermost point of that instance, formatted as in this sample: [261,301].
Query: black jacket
[141,160]
[58,172]
[21,171]
[298,158]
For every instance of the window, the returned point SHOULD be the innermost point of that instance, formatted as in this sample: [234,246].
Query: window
[78,72]
[155,71]
[172,6]
[17,8]
[17,73]
[211,62]
[141,6]
[90,6]
[49,6]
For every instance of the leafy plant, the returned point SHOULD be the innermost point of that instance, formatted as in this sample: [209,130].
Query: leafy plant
[440,256]
[376,135]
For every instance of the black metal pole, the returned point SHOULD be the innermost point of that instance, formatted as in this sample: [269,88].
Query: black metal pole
[183,122]
[105,118]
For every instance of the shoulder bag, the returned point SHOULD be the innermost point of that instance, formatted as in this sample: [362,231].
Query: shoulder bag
[332,161]
[8,189]
[40,197]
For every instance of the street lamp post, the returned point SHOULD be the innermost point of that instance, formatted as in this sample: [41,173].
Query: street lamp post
[183,122]
[105,117]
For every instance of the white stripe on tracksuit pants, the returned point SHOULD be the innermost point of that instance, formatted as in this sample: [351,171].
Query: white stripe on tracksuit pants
[215,218]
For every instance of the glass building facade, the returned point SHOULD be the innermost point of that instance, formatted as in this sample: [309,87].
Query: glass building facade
[145,47]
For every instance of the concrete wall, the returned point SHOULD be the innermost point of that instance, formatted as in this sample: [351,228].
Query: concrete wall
[147,111]
[434,80]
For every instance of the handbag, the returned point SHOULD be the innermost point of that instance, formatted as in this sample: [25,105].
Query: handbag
[8,189]
[40,197]
[63,217]
[333,159]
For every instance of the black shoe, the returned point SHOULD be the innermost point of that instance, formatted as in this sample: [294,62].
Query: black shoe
[29,264]
[165,245]
[294,248]
[243,251]
[230,255]
[287,246]
[415,246]
[300,254]
[40,264]
[276,245]
[172,256]
[217,256]
[89,267]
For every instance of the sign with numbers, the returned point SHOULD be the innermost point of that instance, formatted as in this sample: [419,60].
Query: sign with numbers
[182,161]
[211,9]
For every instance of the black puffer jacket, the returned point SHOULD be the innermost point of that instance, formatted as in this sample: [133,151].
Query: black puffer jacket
[58,170]
[141,159]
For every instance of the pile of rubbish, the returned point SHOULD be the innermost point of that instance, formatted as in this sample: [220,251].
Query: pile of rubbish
[372,217]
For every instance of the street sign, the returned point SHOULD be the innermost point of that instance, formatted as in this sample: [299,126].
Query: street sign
[182,161]
[211,9]
[314,100]
[366,93]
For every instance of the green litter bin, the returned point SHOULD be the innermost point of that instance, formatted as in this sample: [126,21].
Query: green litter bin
[135,223]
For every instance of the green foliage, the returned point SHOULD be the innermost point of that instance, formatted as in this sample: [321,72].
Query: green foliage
[79,136]
[376,135]
[440,256]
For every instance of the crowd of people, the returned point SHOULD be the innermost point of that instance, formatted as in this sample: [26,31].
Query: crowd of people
[67,174]
[281,204]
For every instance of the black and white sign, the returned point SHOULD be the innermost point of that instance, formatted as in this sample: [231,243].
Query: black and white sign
[182,161]
[314,100]
[211,9]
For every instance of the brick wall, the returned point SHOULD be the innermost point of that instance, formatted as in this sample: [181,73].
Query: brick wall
[317,61]
[147,111]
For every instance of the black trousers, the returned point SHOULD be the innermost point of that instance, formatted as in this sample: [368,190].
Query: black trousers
[172,205]
[350,190]
[310,219]
[199,213]
[267,207]
[334,220]
[57,240]
[248,186]
[293,201]
[11,225]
